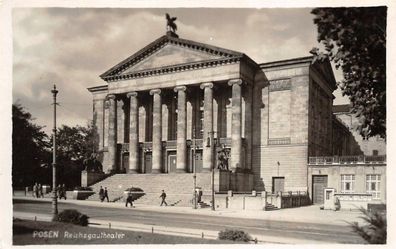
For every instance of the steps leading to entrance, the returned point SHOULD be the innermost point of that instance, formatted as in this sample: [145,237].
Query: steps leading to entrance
[178,187]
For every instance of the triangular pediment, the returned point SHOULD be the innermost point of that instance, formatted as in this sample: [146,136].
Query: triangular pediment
[166,53]
[171,55]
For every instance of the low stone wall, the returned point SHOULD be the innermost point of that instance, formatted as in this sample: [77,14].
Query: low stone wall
[353,201]
[259,201]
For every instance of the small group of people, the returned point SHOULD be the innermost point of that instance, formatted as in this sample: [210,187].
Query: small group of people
[61,191]
[103,194]
[38,190]
[129,199]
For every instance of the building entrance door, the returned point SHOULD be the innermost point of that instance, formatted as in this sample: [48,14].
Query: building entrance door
[319,183]
[278,184]
[148,162]
[172,162]
[125,162]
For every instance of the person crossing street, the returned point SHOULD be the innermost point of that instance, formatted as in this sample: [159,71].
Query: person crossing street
[163,197]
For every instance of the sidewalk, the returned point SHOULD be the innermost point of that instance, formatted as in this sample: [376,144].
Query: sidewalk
[308,214]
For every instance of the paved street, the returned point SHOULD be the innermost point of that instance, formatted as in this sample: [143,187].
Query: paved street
[284,230]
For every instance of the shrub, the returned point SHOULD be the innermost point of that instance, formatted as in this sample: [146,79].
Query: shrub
[234,235]
[374,231]
[73,216]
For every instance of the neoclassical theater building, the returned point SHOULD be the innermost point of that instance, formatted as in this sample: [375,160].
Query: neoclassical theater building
[175,105]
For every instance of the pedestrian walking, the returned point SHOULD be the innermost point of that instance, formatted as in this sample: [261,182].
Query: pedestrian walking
[129,199]
[40,190]
[35,190]
[106,194]
[63,191]
[59,190]
[163,196]
[101,194]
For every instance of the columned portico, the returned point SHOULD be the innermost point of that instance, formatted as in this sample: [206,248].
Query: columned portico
[133,132]
[157,131]
[207,124]
[181,146]
[112,135]
[236,125]
[178,93]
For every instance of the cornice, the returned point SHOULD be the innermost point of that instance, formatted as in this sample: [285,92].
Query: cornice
[173,69]
[288,62]
[97,88]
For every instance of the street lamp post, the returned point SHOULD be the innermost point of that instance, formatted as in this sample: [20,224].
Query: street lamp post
[212,145]
[54,194]
[194,169]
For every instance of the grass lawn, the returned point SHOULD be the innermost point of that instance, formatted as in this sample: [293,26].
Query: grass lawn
[26,232]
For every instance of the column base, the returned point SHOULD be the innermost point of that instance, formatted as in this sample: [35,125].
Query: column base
[181,171]
[156,171]
[132,171]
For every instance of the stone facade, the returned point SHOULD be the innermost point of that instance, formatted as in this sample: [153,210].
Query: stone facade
[175,94]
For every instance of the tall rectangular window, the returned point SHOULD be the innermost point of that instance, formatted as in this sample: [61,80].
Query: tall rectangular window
[373,185]
[347,183]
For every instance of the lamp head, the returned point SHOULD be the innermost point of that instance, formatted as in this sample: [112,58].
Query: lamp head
[54,91]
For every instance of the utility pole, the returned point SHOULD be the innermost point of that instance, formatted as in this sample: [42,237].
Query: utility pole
[54,194]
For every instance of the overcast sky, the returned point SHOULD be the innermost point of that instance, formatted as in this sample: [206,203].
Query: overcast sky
[73,46]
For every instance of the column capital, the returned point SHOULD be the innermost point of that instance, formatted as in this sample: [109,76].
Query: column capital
[235,81]
[155,91]
[206,84]
[180,88]
[132,94]
[111,96]
[106,103]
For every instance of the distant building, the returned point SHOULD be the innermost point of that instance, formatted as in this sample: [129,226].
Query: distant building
[371,147]
[175,94]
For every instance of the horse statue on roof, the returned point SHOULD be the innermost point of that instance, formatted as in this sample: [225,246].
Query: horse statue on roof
[171,25]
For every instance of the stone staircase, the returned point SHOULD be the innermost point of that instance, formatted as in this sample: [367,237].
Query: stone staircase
[178,187]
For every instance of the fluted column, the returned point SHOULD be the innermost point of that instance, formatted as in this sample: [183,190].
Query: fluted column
[133,132]
[181,146]
[207,124]
[236,124]
[112,134]
[157,131]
